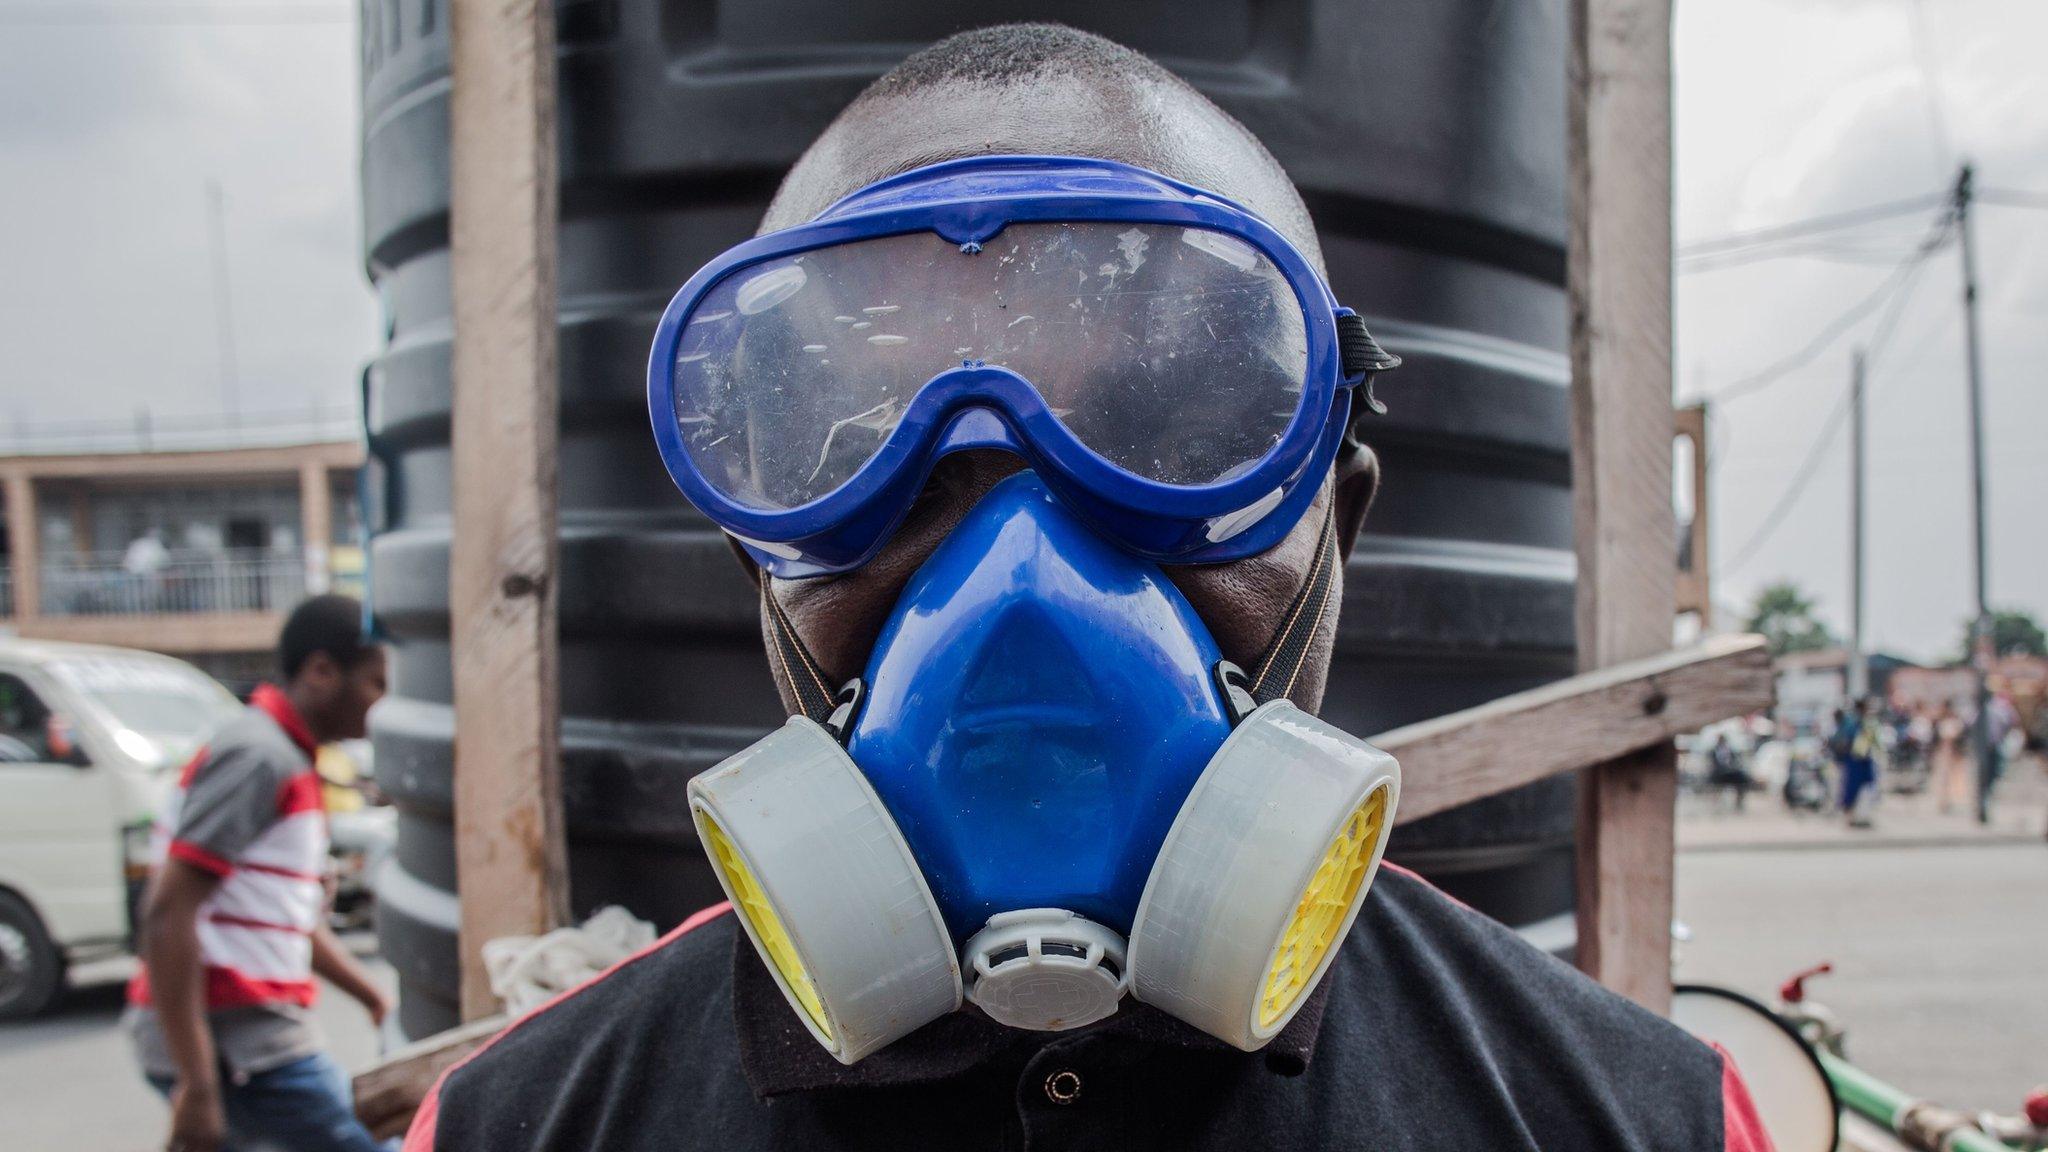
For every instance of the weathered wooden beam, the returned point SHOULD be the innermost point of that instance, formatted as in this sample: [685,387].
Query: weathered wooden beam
[1618,277]
[389,1092]
[510,865]
[1592,718]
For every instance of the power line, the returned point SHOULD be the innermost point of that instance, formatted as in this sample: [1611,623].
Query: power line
[1813,225]
[1792,492]
[2012,198]
[1834,249]
[1892,288]
[1909,355]
[1885,329]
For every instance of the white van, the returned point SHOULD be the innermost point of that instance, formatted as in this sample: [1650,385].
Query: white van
[90,737]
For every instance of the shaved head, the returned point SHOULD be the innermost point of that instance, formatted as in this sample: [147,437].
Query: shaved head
[1043,89]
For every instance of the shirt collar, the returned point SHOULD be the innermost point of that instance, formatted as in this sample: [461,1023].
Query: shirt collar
[272,702]
[779,1055]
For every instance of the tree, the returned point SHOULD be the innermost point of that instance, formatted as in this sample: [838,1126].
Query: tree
[2013,633]
[1784,615]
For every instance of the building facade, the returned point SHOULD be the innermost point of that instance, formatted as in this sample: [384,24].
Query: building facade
[197,554]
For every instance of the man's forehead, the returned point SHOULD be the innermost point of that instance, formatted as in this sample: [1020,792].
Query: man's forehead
[1160,126]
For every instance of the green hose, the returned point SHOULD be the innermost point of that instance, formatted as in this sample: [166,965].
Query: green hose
[1882,1104]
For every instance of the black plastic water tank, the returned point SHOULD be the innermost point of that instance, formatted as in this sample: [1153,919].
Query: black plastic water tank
[1428,137]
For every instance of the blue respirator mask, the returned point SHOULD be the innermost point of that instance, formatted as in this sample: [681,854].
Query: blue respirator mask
[1047,789]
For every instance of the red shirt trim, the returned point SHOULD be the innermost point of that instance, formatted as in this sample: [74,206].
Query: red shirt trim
[258,925]
[1390,866]
[200,858]
[274,870]
[1742,1130]
[191,768]
[227,988]
[272,702]
[299,794]
[420,1137]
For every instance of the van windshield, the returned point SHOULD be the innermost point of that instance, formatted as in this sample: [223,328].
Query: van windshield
[157,698]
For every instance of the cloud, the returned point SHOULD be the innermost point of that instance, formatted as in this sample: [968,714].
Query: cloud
[113,133]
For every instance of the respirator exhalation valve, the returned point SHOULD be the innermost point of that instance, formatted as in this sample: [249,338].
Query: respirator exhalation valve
[1045,969]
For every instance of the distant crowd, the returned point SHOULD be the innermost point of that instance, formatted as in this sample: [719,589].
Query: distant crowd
[1865,746]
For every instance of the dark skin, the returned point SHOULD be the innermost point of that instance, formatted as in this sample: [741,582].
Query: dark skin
[1139,119]
[334,700]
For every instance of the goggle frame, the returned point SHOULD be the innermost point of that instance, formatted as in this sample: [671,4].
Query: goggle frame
[980,406]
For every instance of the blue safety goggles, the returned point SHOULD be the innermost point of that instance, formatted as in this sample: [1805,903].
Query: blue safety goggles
[1175,370]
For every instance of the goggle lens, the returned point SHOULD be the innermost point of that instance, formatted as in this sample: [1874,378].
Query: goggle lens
[1177,354]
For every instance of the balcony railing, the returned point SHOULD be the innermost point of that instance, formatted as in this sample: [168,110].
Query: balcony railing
[185,582]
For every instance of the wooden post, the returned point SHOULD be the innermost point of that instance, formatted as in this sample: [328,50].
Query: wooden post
[24,535]
[1619,278]
[510,865]
[316,524]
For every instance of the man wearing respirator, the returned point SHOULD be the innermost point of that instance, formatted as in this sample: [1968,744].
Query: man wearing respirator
[1032,414]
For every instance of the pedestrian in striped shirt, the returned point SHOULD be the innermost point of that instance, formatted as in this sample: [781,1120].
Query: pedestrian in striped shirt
[235,925]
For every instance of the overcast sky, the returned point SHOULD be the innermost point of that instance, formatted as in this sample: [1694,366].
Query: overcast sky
[1786,110]
[1796,109]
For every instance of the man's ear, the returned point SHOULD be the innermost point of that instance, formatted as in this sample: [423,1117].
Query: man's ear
[1357,479]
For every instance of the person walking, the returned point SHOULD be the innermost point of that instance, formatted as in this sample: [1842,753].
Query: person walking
[2004,717]
[1856,746]
[234,923]
[1951,763]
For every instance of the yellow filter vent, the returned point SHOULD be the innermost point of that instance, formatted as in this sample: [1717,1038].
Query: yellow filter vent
[752,903]
[1322,908]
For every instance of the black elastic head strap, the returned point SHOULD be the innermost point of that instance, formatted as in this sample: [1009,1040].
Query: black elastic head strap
[1280,667]
[1275,673]
[1361,355]
[792,663]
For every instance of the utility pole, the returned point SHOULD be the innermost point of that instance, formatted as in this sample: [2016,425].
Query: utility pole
[223,300]
[1980,648]
[1859,662]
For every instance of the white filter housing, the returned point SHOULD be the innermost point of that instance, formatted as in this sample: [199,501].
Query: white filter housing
[1262,875]
[827,890]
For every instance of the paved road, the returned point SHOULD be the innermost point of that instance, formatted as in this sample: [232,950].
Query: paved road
[1939,950]
[1941,954]
[69,1084]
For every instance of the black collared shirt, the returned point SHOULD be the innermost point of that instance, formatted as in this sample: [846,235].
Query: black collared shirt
[1435,1028]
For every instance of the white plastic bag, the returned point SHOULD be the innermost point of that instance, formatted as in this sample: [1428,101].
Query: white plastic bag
[528,971]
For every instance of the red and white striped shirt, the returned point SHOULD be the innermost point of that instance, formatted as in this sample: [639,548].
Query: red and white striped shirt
[248,809]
